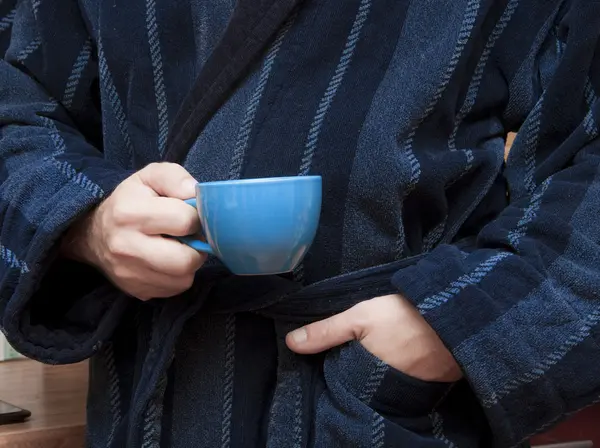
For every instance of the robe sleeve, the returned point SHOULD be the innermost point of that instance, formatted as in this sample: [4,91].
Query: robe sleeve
[51,173]
[520,309]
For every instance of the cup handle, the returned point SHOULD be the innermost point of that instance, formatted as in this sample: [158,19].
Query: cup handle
[192,240]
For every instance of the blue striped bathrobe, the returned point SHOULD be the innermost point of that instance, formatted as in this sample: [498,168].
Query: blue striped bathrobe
[403,107]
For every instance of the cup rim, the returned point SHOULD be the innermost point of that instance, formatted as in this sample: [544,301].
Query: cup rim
[262,180]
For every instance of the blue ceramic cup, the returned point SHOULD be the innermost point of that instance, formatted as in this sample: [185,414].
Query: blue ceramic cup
[258,226]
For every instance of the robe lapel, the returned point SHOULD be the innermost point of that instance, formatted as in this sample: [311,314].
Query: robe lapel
[252,25]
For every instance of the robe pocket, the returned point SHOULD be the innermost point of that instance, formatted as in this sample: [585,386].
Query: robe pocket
[381,387]
[365,402]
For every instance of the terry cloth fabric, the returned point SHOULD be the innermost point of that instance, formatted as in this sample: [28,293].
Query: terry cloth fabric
[402,106]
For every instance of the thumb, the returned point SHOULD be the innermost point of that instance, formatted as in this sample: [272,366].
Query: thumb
[168,179]
[325,334]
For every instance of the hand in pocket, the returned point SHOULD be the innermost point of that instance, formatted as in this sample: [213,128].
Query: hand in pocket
[391,329]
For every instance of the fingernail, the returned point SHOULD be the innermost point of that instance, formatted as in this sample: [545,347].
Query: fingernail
[299,336]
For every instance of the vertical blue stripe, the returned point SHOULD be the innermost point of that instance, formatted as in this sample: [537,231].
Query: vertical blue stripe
[371,386]
[374,381]
[203,18]
[589,93]
[191,377]
[78,67]
[7,21]
[35,4]
[10,259]
[532,137]
[376,217]
[590,126]
[29,49]
[524,161]
[228,381]
[35,43]
[438,429]
[432,238]
[334,84]
[589,123]
[516,234]
[467,25]
[298,421]
[113,98]
[523,94]
[158,75]
[154,413]
[475,83]
[57,140]
[246,128]
[114,391]
[377,431]
[286,406]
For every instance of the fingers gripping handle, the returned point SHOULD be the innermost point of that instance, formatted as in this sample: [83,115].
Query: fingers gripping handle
[192,240]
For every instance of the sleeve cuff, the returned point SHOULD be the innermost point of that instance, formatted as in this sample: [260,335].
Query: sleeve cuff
[438,285]
[59,311]
[464,296]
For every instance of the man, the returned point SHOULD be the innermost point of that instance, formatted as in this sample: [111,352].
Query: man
[448,299]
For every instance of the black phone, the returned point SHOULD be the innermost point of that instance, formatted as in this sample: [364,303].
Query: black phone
[12,414]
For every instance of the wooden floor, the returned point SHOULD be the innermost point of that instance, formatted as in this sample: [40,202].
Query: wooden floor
[583,426]
[55,395]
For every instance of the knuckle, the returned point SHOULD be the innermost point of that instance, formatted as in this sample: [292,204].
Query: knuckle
[121,273]
[184,225]
[178,269]
[319,331]
[154,166]
[173,167]
[149,295]
[162,166]
[361,318]
[187,281]
[117,246]
[188,223]
[190,263]
[362,312]
[147,292]
[123,214]
[202,257]
[143,296]
[199,260]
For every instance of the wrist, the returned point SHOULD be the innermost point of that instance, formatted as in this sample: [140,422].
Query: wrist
[77,243]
